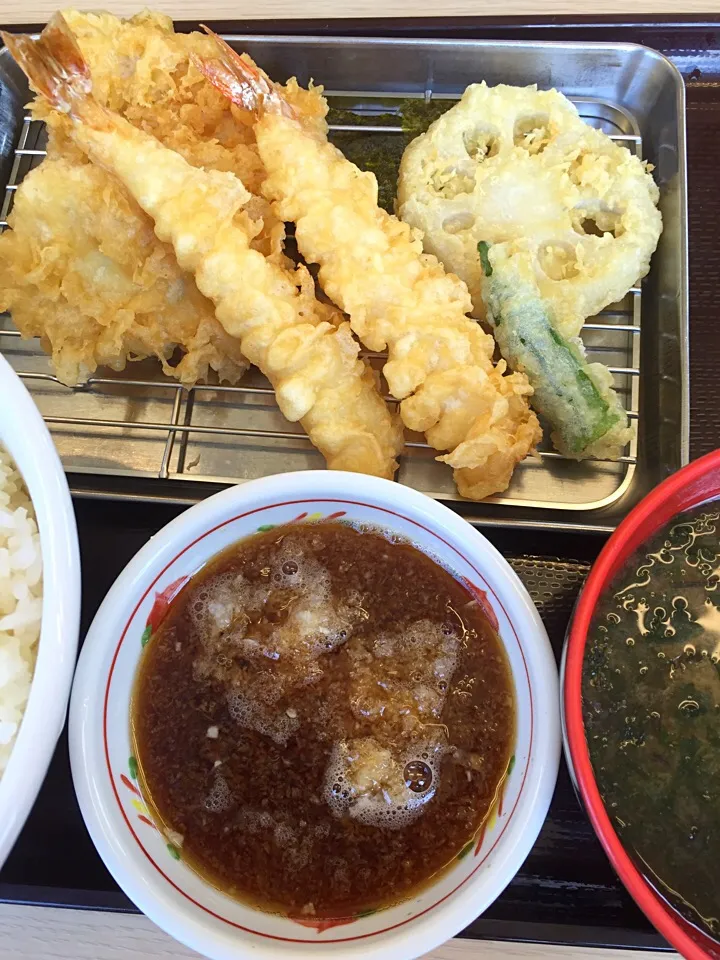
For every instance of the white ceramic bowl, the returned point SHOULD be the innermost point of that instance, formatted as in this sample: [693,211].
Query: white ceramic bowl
[152,872]
[25,436]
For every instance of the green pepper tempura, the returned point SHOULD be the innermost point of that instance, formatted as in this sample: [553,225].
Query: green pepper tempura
[575,397]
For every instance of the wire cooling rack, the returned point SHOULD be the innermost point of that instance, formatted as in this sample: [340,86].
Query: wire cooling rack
[140,423]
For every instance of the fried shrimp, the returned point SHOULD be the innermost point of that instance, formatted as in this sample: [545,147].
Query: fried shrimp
[143,70]
[81,267]
[439,360]
[311,362]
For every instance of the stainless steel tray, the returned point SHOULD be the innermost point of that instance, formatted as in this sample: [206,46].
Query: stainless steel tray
[140,424]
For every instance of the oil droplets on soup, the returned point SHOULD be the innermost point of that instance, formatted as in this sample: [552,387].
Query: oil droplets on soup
[323,719]
[651,698]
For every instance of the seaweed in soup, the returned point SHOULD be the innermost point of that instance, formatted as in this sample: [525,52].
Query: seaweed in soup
[651,701]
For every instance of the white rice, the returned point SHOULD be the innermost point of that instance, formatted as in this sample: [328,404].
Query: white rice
[20,601]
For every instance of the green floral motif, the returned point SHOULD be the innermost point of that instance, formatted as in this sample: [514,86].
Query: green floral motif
[173,851]
[133,767]
[146,634]
[511,765]
[265,527]
[465,850]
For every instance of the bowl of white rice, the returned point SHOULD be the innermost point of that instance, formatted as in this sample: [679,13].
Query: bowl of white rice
[39,602]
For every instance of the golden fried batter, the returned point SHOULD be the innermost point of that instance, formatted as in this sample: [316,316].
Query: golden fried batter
[140,68]
[518,166]
[82,268]
[309,356]
[397,298]
[143,70]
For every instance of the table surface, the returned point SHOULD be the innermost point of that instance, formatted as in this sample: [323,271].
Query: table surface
[45,933]
[38,11]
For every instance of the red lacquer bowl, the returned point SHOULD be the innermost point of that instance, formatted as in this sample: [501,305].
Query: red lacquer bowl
[691,486]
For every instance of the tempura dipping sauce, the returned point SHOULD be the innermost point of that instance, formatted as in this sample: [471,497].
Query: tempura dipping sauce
[323,720]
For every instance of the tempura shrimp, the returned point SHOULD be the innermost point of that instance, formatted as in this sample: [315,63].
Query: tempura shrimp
[311,361]
[372,265]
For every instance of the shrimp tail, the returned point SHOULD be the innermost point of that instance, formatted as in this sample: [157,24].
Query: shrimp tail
[54,65]
[242,82]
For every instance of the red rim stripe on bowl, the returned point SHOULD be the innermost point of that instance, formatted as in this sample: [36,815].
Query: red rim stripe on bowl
[137,839]
[689,487]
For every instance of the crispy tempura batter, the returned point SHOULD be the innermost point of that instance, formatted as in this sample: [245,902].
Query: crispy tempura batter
[144,71]
[82,269]
[140,68]
[312,364]
[518,166]
[372,265]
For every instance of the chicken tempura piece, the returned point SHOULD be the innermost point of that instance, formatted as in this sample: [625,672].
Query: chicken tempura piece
[312,364]
[372,265]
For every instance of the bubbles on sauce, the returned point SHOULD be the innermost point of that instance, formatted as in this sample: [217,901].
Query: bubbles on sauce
[260,636]
[418,776]
[408,673]
[290,842]
[219,799]
[248,712]
[255,821]
[380,788]
[323,668]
